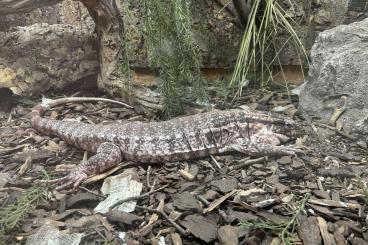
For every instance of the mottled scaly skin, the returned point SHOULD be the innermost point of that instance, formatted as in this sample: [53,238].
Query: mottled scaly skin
[190,137]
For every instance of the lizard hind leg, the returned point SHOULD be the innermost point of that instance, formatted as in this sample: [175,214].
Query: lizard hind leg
[108,155]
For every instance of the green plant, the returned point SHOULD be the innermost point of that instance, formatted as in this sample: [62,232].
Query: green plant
[127,36]
[12,215]
[284,229]
[259,52]
[174,53]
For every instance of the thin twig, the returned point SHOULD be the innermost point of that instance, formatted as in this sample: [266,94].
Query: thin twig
[163,214]
[92,192]
[247,163]
[137,197]
[153,185]
[224,6]
[148,177]
[10,118]
[204,200]
[215,161]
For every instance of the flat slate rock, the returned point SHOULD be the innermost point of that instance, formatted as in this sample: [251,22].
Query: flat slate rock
[228,235]
[123,217]
[33,155]
[285,160]
[225,185]
[187,202]
[81,198]
[237,216]
[210,195]
[309,231]
[201,227]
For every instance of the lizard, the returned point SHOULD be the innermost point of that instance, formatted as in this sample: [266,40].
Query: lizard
[182,138]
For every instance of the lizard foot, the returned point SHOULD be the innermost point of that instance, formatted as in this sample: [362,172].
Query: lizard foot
[284,150]
[256,149]
[108,155]
[72,179]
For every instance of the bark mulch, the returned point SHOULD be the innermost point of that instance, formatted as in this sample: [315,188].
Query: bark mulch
[318,197]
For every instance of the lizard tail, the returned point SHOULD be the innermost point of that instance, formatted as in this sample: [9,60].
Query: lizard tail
[39,110]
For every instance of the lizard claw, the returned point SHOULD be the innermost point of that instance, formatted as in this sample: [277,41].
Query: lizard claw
[72,179]
[286,150]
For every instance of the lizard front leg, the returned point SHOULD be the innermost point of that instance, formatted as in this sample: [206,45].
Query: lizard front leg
[247,146]
[108,155]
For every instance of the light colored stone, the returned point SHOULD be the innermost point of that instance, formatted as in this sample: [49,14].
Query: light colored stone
[339,68]
[228,235]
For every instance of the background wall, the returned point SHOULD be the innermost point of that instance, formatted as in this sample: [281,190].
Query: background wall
[45,59]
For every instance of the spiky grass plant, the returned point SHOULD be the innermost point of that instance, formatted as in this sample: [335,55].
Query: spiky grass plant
[174,53]
[126,38]
[259,52]
[284,229]
[12,215]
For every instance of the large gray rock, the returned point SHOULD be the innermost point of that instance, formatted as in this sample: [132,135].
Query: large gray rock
[339,68]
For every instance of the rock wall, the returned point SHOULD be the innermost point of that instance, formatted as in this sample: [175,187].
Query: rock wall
[42,57]
[219,37]
[67,12]
[50,60]
[49,48]
[312,17]
[213,28]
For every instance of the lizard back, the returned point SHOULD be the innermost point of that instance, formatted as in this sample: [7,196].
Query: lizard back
[187,137]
